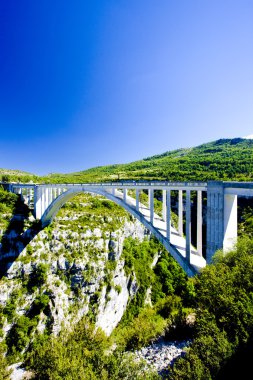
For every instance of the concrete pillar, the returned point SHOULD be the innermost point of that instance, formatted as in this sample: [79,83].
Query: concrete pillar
[199,222]
[180,212]
[125,194]
[29,196]
[215,218]
[49,195]
[230,221]
[34,200]
[164,205]
[188,225]
[167,218]
[43,200]
[37,202]
[46,198]
[137,199]
[151,204]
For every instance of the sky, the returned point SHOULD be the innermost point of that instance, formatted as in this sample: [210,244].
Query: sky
[85,83]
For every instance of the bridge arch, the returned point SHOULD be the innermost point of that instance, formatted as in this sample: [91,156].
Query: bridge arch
[57,203]
[221,213]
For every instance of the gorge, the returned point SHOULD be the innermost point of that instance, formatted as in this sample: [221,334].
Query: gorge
[97,267]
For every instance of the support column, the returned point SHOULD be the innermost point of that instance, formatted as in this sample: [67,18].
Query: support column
[53,194]
[230,221]
[180,212]
[30,196]
[34,200]
[125,194]
[50,195]
[137,199]
[199,222]
[164,205]
[37,202]
[151,204]
[168,206]
[46,198]
[215,218]
[188,225]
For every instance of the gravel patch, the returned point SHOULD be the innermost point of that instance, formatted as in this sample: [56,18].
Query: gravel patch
[162,353]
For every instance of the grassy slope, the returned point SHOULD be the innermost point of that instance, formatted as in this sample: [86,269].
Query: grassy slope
[225,159]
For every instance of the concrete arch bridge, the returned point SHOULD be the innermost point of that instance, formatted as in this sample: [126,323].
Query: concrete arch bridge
[221,215]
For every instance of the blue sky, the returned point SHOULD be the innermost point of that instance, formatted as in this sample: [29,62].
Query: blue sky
[88,83]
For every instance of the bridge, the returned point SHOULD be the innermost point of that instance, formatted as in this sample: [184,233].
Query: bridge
[221,215]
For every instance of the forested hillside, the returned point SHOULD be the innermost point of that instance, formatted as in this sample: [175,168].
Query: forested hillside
[225,159]
[9,175]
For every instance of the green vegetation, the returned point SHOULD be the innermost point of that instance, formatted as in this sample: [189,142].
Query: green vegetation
[225,159]
[19,336]
[38,276]
[8,175]
[4,373]
[224,315]
[82,354]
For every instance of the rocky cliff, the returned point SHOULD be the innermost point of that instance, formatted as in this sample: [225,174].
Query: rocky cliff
[72,268]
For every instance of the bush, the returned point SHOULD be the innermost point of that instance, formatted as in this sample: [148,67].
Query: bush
[18,336]
[82,354]
[142,330]
[4,373]
[38,276]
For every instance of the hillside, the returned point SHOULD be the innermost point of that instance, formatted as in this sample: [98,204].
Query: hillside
[8,175]
[224,159]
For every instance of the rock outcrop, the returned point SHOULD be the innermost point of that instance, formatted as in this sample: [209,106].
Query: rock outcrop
[82,267]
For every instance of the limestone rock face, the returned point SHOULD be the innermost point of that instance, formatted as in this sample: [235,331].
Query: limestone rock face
[113,304]
[84,275]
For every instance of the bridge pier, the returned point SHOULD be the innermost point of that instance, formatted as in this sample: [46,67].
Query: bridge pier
[125,194]
[199,222]
[168,212]
[230,221]
[164,202]
[151,204]
[188,225]
[137,195]
[180,212]
[215,219]
[38,202]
